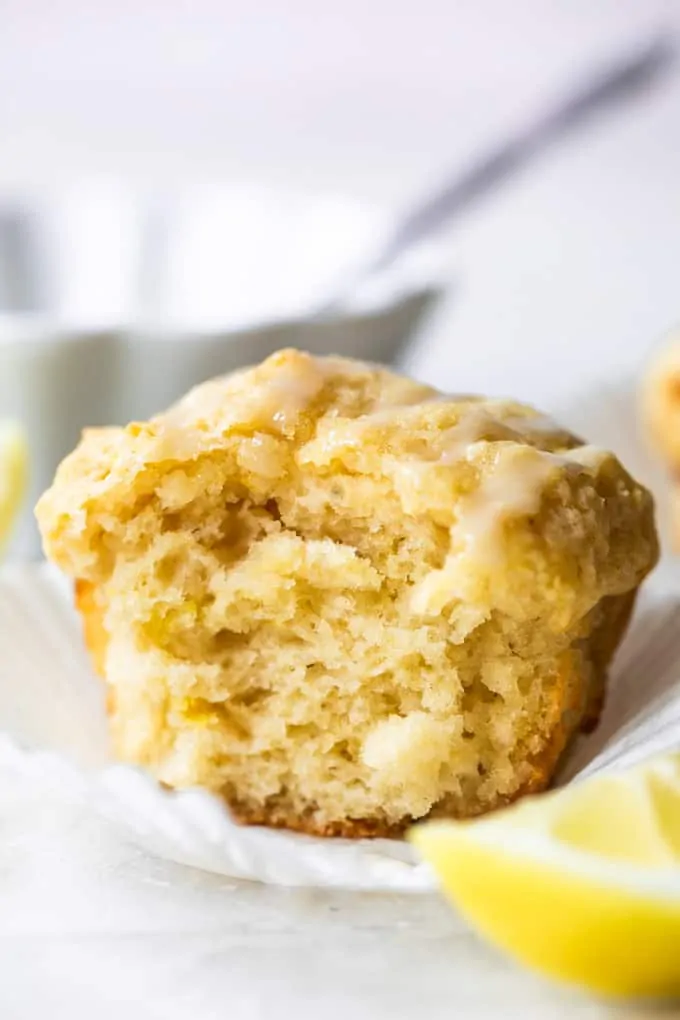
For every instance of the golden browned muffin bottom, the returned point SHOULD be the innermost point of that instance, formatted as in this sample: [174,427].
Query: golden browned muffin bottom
[343,601]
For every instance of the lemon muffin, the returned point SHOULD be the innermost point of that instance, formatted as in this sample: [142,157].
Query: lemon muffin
[661,414]
[342,600]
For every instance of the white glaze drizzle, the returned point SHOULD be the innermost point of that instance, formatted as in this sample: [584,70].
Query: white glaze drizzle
[277,400]
[514,488]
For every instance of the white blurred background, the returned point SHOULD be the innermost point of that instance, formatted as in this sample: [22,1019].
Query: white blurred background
[371,97]
[376,99]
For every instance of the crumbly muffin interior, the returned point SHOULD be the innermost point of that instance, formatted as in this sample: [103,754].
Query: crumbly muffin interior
[331,594]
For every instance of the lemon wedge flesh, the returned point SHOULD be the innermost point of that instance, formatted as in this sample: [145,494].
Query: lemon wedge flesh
[13,474]
[582,884]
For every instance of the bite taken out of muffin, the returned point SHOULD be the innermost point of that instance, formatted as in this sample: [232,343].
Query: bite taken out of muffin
[342,600]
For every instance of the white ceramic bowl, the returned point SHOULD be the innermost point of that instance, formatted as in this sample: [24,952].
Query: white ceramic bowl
[111,307]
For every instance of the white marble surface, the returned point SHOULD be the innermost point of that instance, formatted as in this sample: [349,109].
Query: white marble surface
[90,926]
[581,253]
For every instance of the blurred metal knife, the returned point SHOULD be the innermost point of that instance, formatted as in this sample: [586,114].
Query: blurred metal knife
[617,83]
[27,277]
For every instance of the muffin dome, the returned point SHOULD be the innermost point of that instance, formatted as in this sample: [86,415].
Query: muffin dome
[343,600]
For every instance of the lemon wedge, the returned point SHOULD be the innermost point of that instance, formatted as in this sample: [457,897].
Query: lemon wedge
[13,476]
[582,884]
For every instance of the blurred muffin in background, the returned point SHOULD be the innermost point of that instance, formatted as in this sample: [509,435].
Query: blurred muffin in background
[660,410]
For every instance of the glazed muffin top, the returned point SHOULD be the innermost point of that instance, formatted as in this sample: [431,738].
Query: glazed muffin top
[508,486]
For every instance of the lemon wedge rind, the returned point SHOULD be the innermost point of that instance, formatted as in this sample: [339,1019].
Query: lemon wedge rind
[581,885]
